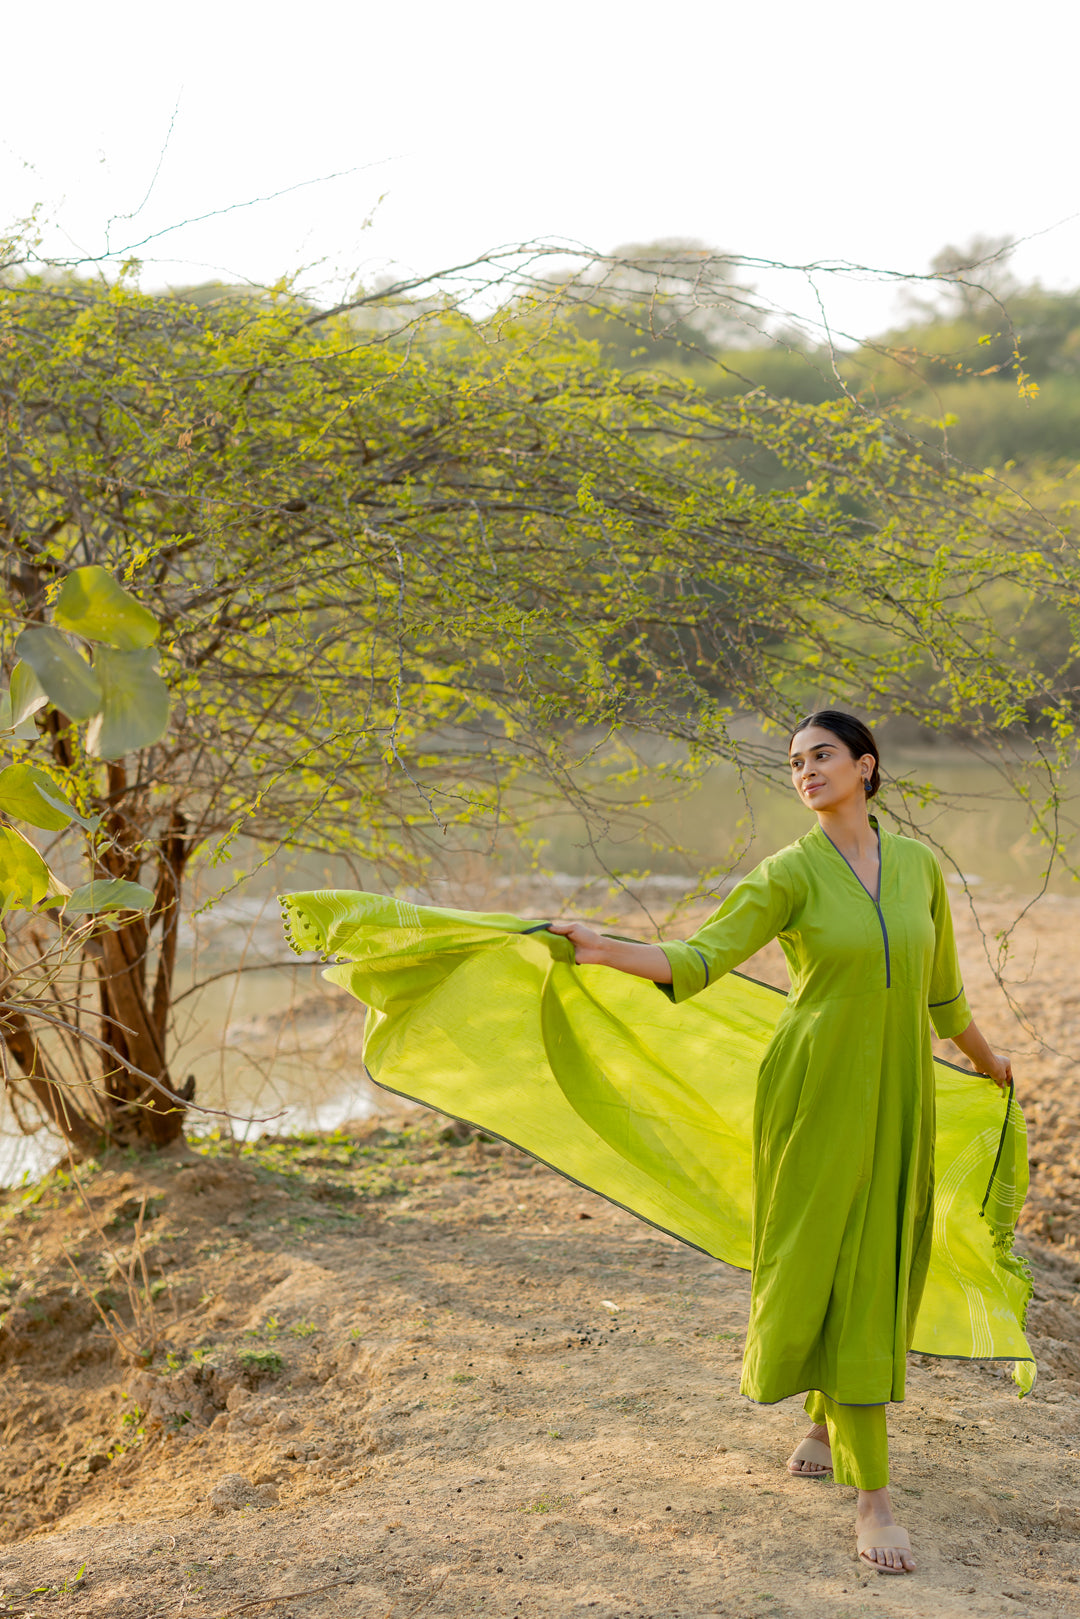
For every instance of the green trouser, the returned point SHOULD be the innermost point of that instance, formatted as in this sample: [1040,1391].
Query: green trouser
[857,1438]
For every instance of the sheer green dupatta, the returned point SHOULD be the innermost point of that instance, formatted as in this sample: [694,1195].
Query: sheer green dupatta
[977,1289]
[486,1018]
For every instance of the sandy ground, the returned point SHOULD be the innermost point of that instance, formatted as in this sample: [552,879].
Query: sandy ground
[452,1383]
[442,1380]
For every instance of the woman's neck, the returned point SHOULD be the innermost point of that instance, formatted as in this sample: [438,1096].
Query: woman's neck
[848,826]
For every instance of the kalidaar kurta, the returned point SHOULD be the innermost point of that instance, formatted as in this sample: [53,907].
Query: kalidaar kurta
[871,1191]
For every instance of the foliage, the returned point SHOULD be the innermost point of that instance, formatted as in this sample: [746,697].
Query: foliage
[262,1362]
[125,701]
[418,573]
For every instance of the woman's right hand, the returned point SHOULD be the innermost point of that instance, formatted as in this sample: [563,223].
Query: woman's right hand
[589,946]
[592,949]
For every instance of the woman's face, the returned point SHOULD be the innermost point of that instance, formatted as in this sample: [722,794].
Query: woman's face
[823,771]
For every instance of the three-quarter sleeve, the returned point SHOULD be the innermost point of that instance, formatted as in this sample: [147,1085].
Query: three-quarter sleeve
[754,912]
[949,1009]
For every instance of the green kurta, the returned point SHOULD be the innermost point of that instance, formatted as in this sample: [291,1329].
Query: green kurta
[843,1168]
[792,1136]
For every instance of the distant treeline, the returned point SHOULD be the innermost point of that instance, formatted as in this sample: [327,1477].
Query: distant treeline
[984,366]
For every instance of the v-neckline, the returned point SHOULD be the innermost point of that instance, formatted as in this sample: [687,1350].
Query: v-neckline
[875,899]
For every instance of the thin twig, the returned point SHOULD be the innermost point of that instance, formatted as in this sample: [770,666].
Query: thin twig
[288,1596]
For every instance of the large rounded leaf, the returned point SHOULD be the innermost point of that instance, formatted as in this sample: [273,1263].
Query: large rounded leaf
[135,704]
[24,876]
[91,603]
[66,677]
[28,794]
[27,693]
[108,894]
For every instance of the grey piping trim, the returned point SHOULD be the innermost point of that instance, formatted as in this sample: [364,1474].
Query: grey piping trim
[875,899]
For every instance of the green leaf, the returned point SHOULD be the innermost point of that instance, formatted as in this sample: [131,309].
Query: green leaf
[24,876]
[108,894]
[66,676]
[26,732]
[59,802]
[28,794]
[91,603]
[135,704]
[27,694]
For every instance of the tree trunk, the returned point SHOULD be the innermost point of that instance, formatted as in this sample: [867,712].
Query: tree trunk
[55,1099]
[134,1023]
[131,1033]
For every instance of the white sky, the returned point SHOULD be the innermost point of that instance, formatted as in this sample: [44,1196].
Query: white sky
[839,130]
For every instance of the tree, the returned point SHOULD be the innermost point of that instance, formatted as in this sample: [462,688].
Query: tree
[412,568]
[664,300]
[975,280]
[126,705]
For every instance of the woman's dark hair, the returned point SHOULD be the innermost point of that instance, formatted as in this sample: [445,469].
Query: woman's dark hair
[856,737]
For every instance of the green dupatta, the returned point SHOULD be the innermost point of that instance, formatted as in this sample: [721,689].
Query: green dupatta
[486,1018]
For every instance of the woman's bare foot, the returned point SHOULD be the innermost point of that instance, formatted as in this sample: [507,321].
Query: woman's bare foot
[882,1542]
[811,1466]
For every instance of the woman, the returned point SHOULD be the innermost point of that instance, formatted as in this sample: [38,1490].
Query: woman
[844,1116]
[792,1136]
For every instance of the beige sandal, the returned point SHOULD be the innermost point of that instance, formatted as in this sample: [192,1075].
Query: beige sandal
[894,1539]
[811,1450]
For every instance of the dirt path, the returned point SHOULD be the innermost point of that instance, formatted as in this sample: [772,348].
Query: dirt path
[458,1385]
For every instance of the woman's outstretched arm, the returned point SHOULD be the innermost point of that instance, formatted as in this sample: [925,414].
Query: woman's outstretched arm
[595,949]
[995,1064]
[755,911]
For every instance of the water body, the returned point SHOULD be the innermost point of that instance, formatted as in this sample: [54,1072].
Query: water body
[979,825]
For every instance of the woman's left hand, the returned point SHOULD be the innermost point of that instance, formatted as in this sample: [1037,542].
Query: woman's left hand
[1000,1069]
[994,1064]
